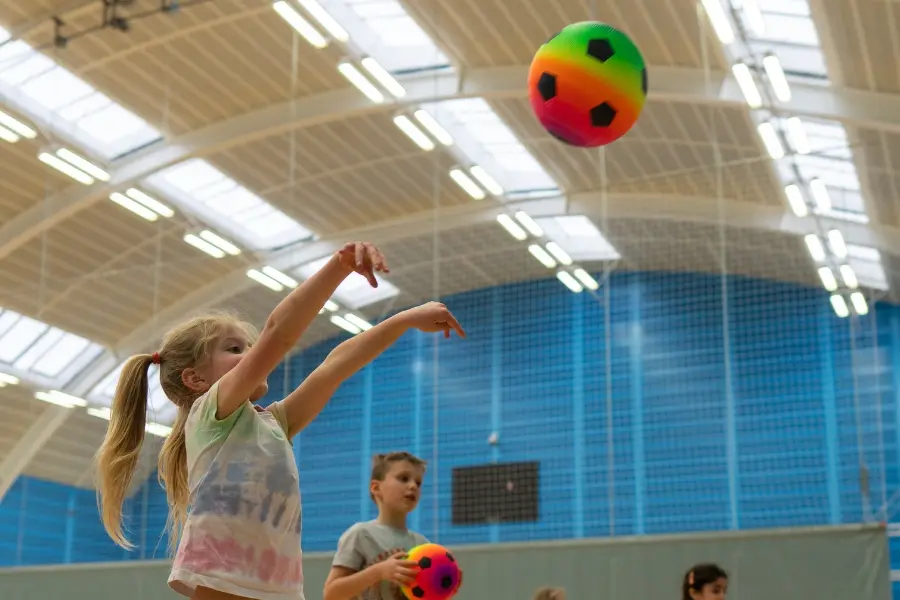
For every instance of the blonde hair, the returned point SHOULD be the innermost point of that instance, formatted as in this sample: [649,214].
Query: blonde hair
[184,347]
[549,593]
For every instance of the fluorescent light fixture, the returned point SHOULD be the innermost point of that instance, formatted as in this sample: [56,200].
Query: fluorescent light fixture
[381,75]
[60,399]
[528,223]
[219,242]
[8,136]
[586,280]
[129,204]
[745,81]
[359,80]
[345,324]
[466,183]
[414,133]
[798,135]
[819,192]
[100,413]
[331,306]
[280,277]
[719,21]
[859,303]
[541,255]
[64,167]
[151,203]
[327,22]
[770,140]
[849,277]
[814,245]
[83,164]
[796,200]
[828,280]
[157,429]
[17,126]
[358,322]
[433,127]
[754,16]
[199,244]
[777,79]
[511,227]
[6,379]
[489,183]
[558,253]
[300,25]
[567,280]
[839,305]
[264,280]
[837,244]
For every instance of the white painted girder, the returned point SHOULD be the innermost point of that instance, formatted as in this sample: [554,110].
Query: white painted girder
[595,204]
[30,443]
[858,108]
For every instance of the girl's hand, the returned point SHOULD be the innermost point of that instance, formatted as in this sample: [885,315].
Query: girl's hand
[362,258]
[433,317]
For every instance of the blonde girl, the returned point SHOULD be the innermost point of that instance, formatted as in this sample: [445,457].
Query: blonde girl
[228,466]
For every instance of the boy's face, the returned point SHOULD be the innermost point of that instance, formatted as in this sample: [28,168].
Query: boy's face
[401,487]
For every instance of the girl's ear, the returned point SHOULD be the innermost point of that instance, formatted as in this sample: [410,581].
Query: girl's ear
[193,381]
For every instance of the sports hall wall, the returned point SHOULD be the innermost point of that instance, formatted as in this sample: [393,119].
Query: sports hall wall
[693,404]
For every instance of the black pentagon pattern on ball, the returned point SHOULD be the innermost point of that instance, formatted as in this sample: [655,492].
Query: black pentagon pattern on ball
[644,81]
[425,562]
[418,592]
[602,115]
[600,49]
[450,556]
[547,86]
[446,582]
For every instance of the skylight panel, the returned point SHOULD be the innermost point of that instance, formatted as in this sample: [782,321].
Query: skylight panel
[867,266]
[44,352]
[355,291]
[388,33]
[488,141]
[206,191]
[35,85]
[579,237]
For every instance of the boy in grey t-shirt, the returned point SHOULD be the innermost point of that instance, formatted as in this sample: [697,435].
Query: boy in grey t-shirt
[370,562]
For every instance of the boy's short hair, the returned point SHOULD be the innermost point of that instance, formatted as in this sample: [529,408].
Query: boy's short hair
[549,593]
[382,463]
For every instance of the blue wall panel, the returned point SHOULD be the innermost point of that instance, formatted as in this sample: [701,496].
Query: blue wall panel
[666,403]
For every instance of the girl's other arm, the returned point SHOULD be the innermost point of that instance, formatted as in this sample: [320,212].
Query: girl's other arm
[308,400]
[290,319]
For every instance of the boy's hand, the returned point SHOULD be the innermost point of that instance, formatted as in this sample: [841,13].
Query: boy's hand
[398,569]
[433,317]
[362,258]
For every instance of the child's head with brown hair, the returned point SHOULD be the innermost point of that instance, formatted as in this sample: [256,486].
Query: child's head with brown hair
[550,593]
[705,581]
[396,482]
[192,357]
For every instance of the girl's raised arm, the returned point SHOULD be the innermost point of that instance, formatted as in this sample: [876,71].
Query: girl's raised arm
[290,319]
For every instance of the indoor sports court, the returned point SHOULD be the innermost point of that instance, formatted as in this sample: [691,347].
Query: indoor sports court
[670,230]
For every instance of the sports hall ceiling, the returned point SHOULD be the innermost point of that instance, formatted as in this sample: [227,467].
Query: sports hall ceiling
[218,110]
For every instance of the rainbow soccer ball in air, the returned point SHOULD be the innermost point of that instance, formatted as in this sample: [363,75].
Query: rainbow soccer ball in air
[439,574]
[588,84]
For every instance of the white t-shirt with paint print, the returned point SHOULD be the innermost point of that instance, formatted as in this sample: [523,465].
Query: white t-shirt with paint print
[371,542]
[242,534]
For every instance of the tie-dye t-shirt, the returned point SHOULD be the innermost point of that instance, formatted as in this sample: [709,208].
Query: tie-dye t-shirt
[242,534]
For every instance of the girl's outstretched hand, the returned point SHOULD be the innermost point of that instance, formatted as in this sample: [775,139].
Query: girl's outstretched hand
[433,317]
[363,258]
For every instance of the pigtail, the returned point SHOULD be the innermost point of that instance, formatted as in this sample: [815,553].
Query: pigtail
[117,457]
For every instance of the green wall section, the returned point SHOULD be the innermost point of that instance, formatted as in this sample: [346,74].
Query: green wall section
[833,563]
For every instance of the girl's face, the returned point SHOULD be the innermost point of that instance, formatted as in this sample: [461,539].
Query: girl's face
[717,590]
[224,355]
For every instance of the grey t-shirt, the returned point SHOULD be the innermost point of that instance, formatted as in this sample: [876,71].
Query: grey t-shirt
[371,542]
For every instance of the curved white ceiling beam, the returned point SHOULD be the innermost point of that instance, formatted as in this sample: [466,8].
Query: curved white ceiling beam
[863,109]
[594,204]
